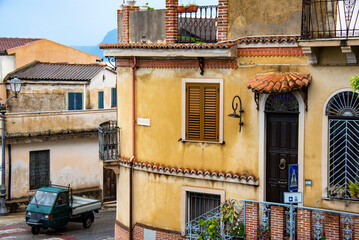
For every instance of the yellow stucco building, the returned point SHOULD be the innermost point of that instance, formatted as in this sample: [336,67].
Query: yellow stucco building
[285,78]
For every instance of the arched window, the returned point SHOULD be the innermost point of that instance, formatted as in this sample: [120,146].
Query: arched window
[282,102]
[343,142]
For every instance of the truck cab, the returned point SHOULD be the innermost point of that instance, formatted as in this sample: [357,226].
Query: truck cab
[53,207]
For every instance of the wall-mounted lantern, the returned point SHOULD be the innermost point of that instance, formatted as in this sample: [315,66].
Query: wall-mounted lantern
[240,110]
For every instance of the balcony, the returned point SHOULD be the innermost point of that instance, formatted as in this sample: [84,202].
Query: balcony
[323,19]
[109,141]
[199,26]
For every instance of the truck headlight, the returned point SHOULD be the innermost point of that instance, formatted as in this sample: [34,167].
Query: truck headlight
[49,217]
[28,214]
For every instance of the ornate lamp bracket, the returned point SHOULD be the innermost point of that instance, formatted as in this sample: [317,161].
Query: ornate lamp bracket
[112,61]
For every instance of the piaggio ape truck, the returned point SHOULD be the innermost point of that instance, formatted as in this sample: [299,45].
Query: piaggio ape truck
[55,206]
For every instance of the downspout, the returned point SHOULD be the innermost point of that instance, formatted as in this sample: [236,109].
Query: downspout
[133,138]
[9,184]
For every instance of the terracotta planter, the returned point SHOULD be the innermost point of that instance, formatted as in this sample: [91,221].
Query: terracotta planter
[190,8]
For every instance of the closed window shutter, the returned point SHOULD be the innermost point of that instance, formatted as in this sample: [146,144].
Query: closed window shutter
[210,113]
[71,101]
[193,111]
[100,100]
[78,101]
[113,98]
[202,111]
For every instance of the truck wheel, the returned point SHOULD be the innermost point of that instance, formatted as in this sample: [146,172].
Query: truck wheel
[88,220]
[35,230]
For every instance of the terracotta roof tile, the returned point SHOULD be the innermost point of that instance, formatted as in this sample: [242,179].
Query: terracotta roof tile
[168,46]
[57,71]
[279,82]
[194,173]
[8,43]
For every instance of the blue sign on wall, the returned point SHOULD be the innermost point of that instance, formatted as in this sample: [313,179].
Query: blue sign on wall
[293,177]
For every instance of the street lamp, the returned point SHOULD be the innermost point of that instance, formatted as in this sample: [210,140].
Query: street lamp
[15,86]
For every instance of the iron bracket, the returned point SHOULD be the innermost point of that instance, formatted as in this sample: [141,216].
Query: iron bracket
[201,64]
[112,61]
[256,99]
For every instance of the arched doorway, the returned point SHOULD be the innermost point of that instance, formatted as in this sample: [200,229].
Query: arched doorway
[281,142]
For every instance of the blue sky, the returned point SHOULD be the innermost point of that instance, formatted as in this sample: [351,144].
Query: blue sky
[69,22]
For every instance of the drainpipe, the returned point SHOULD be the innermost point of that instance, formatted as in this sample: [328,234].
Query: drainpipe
[133,138]
[9,184]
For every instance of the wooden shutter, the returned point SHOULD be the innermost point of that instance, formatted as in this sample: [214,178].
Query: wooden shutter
[210,112]
[39,169]
[71,101]
[113,97]
[202,111]
[100,100]
[78,101]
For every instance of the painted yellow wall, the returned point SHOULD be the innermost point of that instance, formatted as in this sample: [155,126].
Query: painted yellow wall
[159,98]
[63,167]
[48,51]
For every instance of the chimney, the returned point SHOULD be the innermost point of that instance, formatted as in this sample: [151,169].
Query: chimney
[171,21]
[222,20]
[126,21]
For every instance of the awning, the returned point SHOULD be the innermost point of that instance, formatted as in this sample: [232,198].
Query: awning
[273,83]
[279,82]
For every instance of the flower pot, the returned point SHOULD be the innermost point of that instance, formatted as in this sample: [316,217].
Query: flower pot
[190,8]
[130,2]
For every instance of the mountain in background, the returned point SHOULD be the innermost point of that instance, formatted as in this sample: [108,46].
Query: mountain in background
[111,37]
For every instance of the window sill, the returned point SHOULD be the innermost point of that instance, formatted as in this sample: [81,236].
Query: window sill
[203,142]
[346,201]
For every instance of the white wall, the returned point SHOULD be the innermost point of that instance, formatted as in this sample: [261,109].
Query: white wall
[7,64]
[74,161]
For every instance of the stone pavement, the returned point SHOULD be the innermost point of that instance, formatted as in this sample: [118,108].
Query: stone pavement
[12,218]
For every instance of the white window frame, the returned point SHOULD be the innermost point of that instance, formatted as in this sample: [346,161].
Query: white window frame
[202,80]
[325,147]
[185,190]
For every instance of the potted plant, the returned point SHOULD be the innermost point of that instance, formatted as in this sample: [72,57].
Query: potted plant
[353,189]
[146,7]
[192,7]
[210,229]
[231,220]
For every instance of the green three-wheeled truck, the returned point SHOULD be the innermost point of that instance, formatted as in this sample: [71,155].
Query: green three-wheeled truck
[55,206]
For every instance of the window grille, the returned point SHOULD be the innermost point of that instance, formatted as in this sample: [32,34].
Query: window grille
[343,112]
[200,203]
[282,102]
[39,169]
[109,141]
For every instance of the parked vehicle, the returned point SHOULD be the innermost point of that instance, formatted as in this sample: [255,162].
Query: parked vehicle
[55,206]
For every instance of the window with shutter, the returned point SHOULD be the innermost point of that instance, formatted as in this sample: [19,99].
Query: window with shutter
[39,169]
[202,111]
[113,97]
[100,100]
[74,101]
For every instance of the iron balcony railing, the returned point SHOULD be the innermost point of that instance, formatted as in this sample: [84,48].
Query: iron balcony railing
[109,141]
[316,222]
[330,19]
[199,26]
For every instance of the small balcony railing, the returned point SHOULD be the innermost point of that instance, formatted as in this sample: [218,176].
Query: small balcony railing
[330,19]
[109,141]
[199,26]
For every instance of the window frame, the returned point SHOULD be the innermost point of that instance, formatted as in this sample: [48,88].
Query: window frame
[326,146]
[185,190]
[68,98]
[32,165]
[184,109]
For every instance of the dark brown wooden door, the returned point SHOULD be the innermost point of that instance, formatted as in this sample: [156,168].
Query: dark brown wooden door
[282,150]
[109,185]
